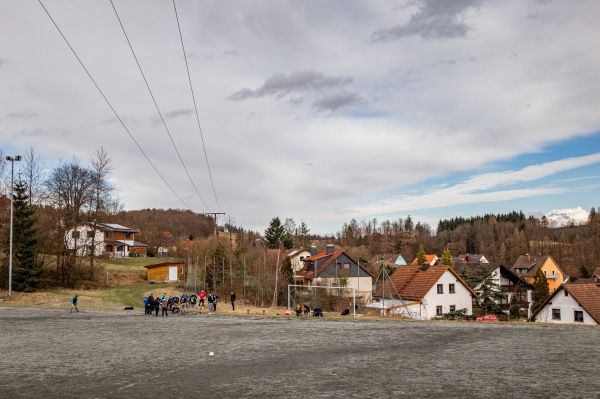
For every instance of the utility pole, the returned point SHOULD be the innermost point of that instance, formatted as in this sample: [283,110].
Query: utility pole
[10,256]
[213,216]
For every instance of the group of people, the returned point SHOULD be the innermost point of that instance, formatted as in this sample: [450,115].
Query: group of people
[181,304]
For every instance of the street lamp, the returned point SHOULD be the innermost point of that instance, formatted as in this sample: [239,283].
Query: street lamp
[12,172]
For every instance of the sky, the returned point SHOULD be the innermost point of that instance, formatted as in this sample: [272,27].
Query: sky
[320,111]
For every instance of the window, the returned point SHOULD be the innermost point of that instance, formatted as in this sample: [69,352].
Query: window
[579,316]
[346,265]
[438,310]
[556,314]
[566,293]
[127,235]
[440,288]
[107,234]
[90,234]
[451,288]
[75,234]
[452,308]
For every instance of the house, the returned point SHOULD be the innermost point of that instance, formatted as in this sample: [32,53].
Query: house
[474,258]
[296,258]
[571,303]
[596,275]
[526,268]
[431,259]
[423,292]
[166,272]
[510,283]
[106,239]
[389,260]
[336,269]
[167,244]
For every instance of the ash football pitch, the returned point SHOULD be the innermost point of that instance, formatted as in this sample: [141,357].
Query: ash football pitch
[55,354]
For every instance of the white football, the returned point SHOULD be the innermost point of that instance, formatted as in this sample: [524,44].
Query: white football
[211,353]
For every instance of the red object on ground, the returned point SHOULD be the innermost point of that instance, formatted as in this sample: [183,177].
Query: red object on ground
[487,317]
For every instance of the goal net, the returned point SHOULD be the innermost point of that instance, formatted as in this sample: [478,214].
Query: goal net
[326,298]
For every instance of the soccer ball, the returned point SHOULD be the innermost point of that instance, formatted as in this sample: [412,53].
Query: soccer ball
[211,354]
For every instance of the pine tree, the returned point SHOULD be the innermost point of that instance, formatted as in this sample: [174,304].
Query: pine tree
[487,289]
[28,273]
[421,259]
[274,234]
[447,258]
[541,290]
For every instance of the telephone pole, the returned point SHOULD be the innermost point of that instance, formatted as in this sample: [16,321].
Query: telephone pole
[213,216]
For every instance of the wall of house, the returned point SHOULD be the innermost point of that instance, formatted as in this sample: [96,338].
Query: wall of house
[551,269]
[567,306]
[119,235]
[81,244]
[296,262]
[461,299]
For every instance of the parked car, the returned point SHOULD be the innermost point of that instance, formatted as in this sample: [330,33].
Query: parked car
[487,317]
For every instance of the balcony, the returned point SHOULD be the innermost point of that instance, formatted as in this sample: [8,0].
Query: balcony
[554,275]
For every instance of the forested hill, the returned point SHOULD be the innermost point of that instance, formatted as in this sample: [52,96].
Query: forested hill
[152,223]
[451,224]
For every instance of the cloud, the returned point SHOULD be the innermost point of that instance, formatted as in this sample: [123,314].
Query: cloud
[564,217]
[179,113]
[473,190]
[434,20]
[297,82]
[337,100]
[21,115]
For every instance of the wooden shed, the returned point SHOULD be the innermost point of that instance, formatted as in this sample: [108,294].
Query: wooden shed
[165,272]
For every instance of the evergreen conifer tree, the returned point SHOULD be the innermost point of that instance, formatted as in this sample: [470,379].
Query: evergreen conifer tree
[28,273]
[274,234]
[541,290]
[447,258]
[421,255]
[487,289]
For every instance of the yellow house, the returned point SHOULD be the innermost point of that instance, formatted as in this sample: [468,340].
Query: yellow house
[166,271]
[527,266]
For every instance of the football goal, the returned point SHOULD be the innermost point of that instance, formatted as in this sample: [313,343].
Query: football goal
[329,298]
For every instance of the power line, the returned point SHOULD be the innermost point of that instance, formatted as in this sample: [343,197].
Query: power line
[195,107]
[111,107]
[156,104]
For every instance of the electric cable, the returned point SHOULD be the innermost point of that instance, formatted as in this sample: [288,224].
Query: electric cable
[156,105]
[195,107]
[111,107]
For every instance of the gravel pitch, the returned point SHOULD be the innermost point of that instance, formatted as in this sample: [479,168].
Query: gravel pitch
[56,354]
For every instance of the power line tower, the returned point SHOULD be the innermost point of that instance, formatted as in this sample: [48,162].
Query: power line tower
[213,216]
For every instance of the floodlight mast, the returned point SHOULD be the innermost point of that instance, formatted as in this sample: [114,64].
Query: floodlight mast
[12,161]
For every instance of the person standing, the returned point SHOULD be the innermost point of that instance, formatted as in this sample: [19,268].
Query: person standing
[150,304]
[146,305]
[211,304]
[74,304]
[165,307]
[215,299]
[202,295]
[156,306]
[232,300]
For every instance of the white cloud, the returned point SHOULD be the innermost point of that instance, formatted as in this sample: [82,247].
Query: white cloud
[564,217]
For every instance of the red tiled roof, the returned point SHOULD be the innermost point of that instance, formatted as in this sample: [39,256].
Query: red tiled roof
[586,294]
[413,283]
[430,258]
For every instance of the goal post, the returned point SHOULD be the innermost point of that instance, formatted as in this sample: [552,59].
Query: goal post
[290,286]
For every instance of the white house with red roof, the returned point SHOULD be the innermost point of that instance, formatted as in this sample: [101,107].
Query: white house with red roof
[571,303]
[423,292]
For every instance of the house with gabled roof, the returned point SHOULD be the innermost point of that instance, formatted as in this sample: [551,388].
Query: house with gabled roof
[571,303]
[510,284]
[336,269]
[473,258]
[431,259]
[526,268]
[423,292]
[108,239]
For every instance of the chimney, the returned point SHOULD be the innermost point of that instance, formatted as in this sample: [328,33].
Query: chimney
[424,266]
[313,250]
[329,249]
[528,257]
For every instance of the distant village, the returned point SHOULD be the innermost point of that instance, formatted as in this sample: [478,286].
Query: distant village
[430,286]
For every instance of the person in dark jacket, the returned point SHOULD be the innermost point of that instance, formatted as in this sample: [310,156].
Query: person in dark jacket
[232,300]
[156,306]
